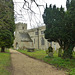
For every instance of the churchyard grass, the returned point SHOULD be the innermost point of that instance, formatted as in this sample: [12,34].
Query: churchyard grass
[5,63]
[60,63]
[39,54]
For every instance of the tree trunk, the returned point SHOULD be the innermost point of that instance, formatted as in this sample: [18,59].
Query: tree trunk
[60,52]
[2,49]
[68,52]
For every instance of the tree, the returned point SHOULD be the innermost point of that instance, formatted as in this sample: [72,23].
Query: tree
[67,4]
[60,27]
[6,39]
[7,25]
[53,18]
[70,29]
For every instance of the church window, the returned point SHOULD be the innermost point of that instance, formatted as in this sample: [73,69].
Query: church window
[36,33]
[42,41]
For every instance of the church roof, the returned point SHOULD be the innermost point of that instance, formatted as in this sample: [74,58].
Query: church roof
[25,37]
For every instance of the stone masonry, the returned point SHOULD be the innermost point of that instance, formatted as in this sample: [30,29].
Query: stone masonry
[32,38]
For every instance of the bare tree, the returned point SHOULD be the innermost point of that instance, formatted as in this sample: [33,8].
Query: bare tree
[33,16]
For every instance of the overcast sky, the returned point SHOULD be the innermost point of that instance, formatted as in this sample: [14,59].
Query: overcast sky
[25,16]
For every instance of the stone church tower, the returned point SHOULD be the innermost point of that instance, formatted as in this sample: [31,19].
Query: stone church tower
[22,38]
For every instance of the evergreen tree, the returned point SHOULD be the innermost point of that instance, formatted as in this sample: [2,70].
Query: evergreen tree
[6,39]
[67,4]
[60,27]
[70,30]
[7,25]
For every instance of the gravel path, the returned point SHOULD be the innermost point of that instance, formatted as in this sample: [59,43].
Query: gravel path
[24,65]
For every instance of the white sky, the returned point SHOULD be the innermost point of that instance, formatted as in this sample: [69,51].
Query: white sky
[36,20]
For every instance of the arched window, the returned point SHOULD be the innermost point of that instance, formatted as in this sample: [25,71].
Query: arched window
[42,41]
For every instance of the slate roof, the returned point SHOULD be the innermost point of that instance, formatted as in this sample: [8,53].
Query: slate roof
[25,37]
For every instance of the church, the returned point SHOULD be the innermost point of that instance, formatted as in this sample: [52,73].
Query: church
[31,38]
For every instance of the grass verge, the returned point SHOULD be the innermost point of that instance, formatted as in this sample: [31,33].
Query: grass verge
[67,64]
[5,63]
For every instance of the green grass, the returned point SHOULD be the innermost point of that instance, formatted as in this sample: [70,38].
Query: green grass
[39,54]
[67,64]
[5,63]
